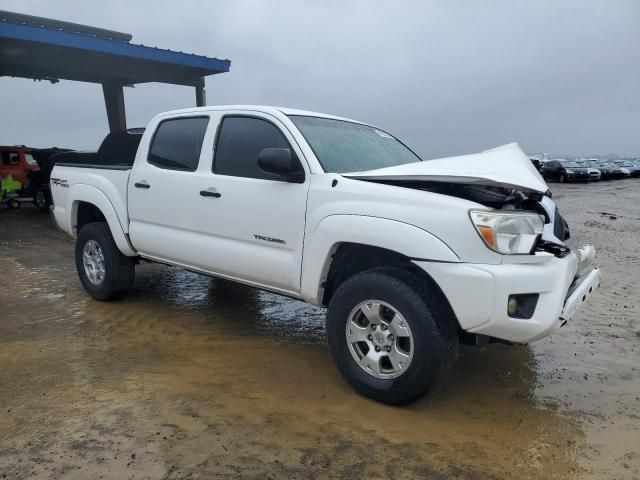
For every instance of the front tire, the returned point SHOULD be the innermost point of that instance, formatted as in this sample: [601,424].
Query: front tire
[391,334]
[103,270]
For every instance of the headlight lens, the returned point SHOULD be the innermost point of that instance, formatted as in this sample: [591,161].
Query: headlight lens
[508,233]
[570,171]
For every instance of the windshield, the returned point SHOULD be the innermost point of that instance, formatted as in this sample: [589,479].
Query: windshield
[342,146]
[570,164]
[30,160]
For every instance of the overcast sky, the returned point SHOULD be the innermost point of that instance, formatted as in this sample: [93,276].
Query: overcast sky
[446,76]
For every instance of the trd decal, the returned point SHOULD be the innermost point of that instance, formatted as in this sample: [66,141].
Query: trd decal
[60,182]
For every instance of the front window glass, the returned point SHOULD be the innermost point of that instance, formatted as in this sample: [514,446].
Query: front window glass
[342,146]
[240,141]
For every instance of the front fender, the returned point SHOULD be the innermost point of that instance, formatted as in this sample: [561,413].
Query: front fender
[400,237]
[86,193]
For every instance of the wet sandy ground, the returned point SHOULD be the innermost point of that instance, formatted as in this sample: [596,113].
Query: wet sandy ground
[189,377]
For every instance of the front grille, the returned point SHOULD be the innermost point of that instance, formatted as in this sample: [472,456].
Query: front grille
[560,227]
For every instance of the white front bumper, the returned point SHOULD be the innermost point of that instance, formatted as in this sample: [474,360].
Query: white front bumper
[479,293]
[580,294]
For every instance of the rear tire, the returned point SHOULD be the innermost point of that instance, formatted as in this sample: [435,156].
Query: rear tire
[40,200]
[103,270]
[431,350]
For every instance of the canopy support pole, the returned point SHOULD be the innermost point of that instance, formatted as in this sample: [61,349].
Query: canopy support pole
[114,101]
[201,95]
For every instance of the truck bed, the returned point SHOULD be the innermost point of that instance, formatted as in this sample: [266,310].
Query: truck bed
[97,184]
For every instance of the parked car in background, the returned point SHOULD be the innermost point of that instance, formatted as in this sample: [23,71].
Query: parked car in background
[615,171]
[632,168]
[594,173]
[564,171]
[17,161]
[38,181]
[606,172]
[408,256]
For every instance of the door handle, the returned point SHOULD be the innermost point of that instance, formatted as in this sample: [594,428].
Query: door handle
[209,193]
[141,185]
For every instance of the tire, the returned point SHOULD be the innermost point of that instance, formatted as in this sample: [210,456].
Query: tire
[118,269]
[13,204]
[40,200]
[431,325]
[562,178]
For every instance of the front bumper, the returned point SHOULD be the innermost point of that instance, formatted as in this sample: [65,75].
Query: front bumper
[578,176]
[479,293]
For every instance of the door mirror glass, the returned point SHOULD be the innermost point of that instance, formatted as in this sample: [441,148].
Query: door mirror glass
[280,162]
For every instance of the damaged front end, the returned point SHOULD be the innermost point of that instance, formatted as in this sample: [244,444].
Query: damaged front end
[501,179]
[555,230]
[540,282]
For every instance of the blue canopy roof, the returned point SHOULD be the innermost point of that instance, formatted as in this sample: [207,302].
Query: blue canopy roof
[40,48]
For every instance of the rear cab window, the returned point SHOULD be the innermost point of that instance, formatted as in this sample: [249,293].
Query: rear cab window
[240,140]
[177,143]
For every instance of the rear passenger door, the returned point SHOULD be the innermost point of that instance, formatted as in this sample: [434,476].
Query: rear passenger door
[163,192]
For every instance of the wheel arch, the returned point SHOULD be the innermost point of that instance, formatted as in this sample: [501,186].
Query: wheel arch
[88,204]
[341,246]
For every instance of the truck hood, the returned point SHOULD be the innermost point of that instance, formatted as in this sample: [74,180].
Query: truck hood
[506,166]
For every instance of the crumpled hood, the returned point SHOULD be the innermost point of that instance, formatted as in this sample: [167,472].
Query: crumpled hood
[505,166]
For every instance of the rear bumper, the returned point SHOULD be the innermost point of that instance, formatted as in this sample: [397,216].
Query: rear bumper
[479,293]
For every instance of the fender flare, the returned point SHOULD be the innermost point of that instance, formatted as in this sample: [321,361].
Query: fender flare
[403,238]
[89,194]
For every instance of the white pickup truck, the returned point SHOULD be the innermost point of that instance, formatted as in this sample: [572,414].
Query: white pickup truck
[410,257]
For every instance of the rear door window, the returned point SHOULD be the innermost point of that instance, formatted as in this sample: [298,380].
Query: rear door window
[177,143]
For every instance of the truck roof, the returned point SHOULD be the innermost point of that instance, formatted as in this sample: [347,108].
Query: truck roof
[260,108]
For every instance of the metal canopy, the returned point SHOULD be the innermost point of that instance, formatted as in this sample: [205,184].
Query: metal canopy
[46,49]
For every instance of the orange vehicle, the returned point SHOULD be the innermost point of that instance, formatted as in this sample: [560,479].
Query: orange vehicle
[17,161]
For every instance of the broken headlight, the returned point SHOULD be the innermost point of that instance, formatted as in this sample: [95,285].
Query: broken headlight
[508,233]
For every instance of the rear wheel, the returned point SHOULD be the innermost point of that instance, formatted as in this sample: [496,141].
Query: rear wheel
[40,200]
[104,271]
[390,335]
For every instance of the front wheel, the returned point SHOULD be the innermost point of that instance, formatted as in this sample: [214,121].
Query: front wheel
[562,178]
[103,270]
[390,334]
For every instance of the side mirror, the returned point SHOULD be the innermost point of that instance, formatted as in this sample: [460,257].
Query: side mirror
[281,162]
